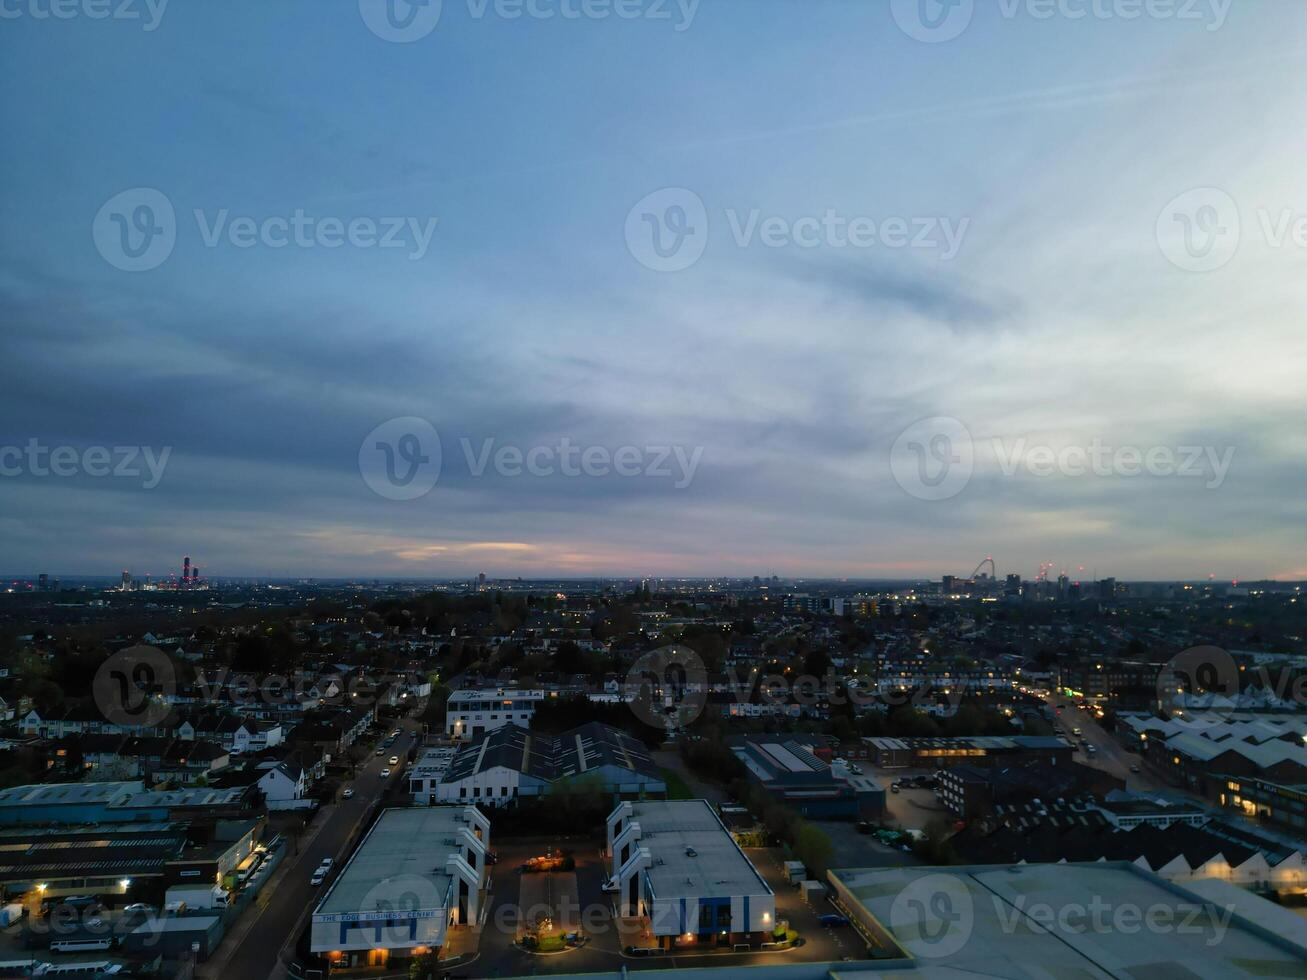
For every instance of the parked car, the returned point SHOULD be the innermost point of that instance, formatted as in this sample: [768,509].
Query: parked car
[381,751]
[348,793]
[831,921]
[1134,768]
[394,760]
[894,787]
[326,864]
[319,877]
[385,773]
[137,907]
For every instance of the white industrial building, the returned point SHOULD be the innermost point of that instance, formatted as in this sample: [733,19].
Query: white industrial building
[513,762]
[417,872]
[425,776]
[471,712]
[677,865]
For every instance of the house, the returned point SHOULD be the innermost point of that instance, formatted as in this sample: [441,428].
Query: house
[282,782]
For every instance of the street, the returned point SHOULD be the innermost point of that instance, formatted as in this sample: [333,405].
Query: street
[1111,757]
[252,948]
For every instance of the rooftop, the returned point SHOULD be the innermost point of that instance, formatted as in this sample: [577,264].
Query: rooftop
[402,857]
[49,794]
[996,921]
[693,854]
[549,757]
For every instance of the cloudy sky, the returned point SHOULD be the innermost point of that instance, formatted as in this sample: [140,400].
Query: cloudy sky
[812,287]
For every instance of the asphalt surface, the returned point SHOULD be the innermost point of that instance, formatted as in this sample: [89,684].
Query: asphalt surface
[285,904]
[498,957]
[1110,757]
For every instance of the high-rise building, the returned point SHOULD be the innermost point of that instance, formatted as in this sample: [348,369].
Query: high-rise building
[127,580]
[43,582]
[186,571]
[1013,586]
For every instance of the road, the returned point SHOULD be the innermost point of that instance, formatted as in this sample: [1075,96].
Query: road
[288,898]
[1111,757]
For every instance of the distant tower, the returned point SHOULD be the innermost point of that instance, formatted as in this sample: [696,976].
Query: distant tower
[195,575]
[127,580]
[481,582]
[43,582]
[186,571]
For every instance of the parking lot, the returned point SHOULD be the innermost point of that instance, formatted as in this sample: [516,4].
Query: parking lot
[909,808]
[852,849]
[576,897]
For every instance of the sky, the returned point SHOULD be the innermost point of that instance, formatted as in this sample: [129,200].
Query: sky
[639,287]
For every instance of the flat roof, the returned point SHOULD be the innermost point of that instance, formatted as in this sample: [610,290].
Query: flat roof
[402,858]
[1099,919]
[693,854]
